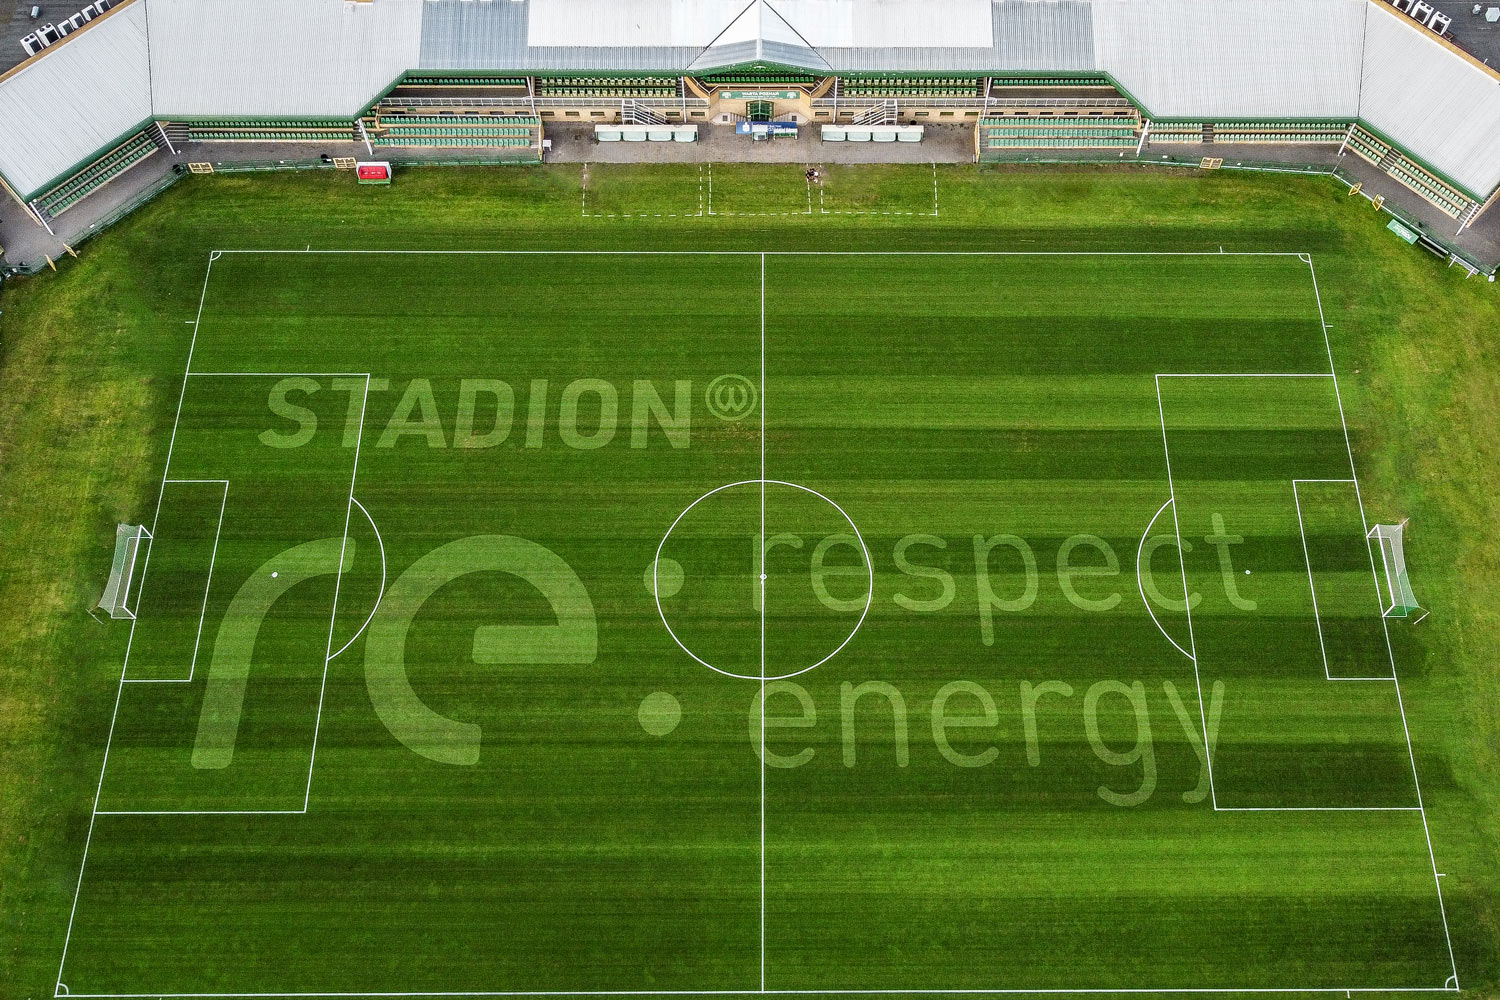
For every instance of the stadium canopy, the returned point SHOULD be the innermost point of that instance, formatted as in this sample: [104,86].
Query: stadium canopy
[1335,60]
[59,112]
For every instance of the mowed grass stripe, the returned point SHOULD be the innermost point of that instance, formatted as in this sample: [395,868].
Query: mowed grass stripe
[581,852]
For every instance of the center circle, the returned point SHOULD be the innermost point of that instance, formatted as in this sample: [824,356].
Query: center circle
[777,579]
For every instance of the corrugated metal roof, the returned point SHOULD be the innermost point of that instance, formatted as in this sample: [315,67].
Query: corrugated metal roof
[269,58]
[497,36]
[1231,59]
[759,34]
[630,23]
[82,96]
[473,36]
[1047,35]
[1436,103]
[1210,59]
[896,60]
[868,24]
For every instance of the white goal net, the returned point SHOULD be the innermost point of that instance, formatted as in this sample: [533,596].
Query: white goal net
[1396,597]
[117,597]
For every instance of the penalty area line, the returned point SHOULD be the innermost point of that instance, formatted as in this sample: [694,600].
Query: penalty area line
[114,716]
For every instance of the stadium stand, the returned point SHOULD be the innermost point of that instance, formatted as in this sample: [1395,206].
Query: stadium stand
[912,87]
[97,174]
[1055,133]
[1356,76]
[269,130]
[610,87]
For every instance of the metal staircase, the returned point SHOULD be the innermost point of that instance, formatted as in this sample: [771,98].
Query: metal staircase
[634,113]
[163,139]
[883,113]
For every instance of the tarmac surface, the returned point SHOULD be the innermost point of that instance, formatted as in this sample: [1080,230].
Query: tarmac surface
[1470,31]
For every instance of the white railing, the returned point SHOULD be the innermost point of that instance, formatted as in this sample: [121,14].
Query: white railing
[860,103]
[695,103]
[633,112]
[884,113]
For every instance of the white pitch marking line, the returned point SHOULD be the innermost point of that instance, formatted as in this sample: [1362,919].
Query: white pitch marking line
[789,253]
[1315,809]
[208,585]
[858,536]
[337,583]
[763,611]
[1385,626]
[1311,587]
[1208,757]
[120,687]
[275,375]
[1132,991]
[1186,596]
[1249,375]
[1141,583]
[1450,985]
[380,543]
[202,812]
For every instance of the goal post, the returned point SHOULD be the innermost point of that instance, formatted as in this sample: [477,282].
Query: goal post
[1396,597]
[117,599]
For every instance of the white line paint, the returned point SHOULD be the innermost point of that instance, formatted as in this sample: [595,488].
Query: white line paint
[1450,985]
[1130,991]
[762,756]
[760,676]
[380,544]
[120,687]
[208,585]
[337,583]
[1312,587]
[788,253]
[1140,581]
[1187,598]
[1246,375]
[1400,701]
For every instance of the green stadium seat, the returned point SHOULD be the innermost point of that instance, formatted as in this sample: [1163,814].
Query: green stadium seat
[97,174]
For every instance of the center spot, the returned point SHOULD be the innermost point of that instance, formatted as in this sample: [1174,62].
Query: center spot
[764,604]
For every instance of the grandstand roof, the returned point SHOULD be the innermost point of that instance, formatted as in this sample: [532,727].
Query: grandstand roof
[1439,106]
[55,113]
[757,34]
[1191,59]
[274,58]
[1274,59]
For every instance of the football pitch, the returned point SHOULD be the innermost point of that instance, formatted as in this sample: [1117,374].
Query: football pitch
[740,622]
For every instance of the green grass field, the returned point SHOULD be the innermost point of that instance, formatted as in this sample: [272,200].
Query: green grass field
[656,602]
